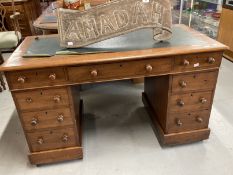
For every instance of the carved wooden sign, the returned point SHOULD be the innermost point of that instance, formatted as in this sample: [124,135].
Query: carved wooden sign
[81,28]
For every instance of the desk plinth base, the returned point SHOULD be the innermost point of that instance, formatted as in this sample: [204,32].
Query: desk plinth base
[59,155]
[174,138]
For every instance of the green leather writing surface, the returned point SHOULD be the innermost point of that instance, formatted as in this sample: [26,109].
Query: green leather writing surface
[138,40]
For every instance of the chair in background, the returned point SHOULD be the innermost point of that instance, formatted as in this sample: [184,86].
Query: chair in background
[9,40]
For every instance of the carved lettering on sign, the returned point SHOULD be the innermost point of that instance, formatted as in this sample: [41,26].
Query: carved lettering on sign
[90,28]
[106,25]
[113,19]
[157,12]
[121,17]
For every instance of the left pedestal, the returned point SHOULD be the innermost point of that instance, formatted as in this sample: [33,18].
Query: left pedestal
[50,116]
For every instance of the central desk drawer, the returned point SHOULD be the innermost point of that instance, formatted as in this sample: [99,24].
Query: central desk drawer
[41,99]
[52,139]
[190,102]
[36,78]
[119,70]
[47,119]
[194,81]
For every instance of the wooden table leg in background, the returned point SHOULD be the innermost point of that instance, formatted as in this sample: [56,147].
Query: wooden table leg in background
[1,58]
[2,83]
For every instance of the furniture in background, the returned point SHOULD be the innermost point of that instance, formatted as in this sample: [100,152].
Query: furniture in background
[2,83]
[47,21]
[8,39]
[201,15]
[29,10]
[180,81]
[225,33]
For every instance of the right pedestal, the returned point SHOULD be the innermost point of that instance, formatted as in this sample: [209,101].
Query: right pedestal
[180,105]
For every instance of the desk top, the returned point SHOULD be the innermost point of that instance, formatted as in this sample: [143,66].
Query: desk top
[196,44]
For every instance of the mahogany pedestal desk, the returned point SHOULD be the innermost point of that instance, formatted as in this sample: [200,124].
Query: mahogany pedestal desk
[180,82]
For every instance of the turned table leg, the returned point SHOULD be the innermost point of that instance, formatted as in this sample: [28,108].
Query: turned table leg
[2,83]
[1,58]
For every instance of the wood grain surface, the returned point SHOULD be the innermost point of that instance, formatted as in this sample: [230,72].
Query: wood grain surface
[36,78]
[189,121]
[173,138]
[119,70]
[194,81]
[52,139]
[192,101]
[34,121]
[58,155]
[197,61]
[33,100]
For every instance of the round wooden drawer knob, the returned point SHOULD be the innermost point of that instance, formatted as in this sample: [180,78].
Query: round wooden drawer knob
[186,63]
[65,138]
[57,98]
[149,68]
[60,118]
[211,60]
[183,84]
[34,122]
[203,100]
[199,119]
[180,103]
[94,73]
[21,79]
[29,100]
[52,76]
[178,122]
[40,141]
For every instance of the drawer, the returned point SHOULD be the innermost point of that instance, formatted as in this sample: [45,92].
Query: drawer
[119,70]
[41,99]
[194,81]
[52,139]
[36,78]
[47,119]
[188,121]
[190,102]
[18,8]
[197,61]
